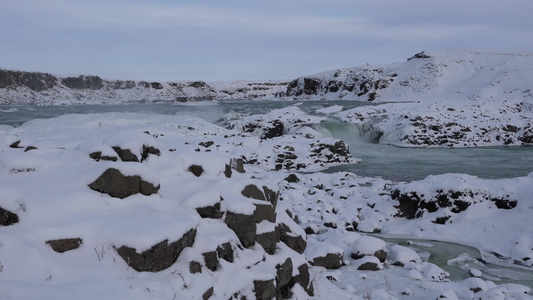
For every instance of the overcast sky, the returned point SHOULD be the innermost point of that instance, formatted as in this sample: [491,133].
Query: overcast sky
[232,40]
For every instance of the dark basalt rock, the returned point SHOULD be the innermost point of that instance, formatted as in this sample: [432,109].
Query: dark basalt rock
[98,156]
[504,203]
[284,273]
[368,266]
[29,148]
[303,279]
[208,293]
[211,260]
[330,261]
[212,212]
[115,184]
[252,191]
[225,251]
[268,240]
[264,211]
[149,150]
[126,154]
[264,289]
[296,243]
[15,145]
[63,245]
[244,227]
[7,218]
[380,254]
[411,205]
[195,267]
[292,178]
[159,256]
[237,164]
[197,170]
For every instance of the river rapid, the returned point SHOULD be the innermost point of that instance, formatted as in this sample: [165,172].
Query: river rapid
[388,162]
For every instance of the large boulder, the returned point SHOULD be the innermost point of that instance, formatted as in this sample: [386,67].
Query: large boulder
[115,184]
[159,256]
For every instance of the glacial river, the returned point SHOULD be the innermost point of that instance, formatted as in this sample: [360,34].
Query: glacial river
[388,162]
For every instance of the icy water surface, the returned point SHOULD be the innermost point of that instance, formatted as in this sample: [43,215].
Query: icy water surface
[388,162]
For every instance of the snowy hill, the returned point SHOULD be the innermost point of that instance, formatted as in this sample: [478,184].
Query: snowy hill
[441,75]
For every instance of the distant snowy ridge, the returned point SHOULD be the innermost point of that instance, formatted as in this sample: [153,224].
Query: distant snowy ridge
[441,75]
[44,88]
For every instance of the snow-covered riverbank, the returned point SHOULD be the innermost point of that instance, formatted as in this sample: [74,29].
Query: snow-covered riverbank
[51,169]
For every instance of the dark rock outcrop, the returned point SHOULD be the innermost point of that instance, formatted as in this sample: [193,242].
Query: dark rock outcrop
[159,256]
[411,205]
[63,245]
[115,184]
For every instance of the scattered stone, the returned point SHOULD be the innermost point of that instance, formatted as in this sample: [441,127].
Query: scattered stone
[98,156]
[63,245]
[195,267]
[292,178]
[208,293]
[197,170]
[329,261]
[8,218]
[126,154]
[238,165]
[159,256]
[29,148]
[115,184]
[15,145]
[149,150]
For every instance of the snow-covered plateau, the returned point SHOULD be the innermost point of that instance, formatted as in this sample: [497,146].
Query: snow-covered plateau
[237,204]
